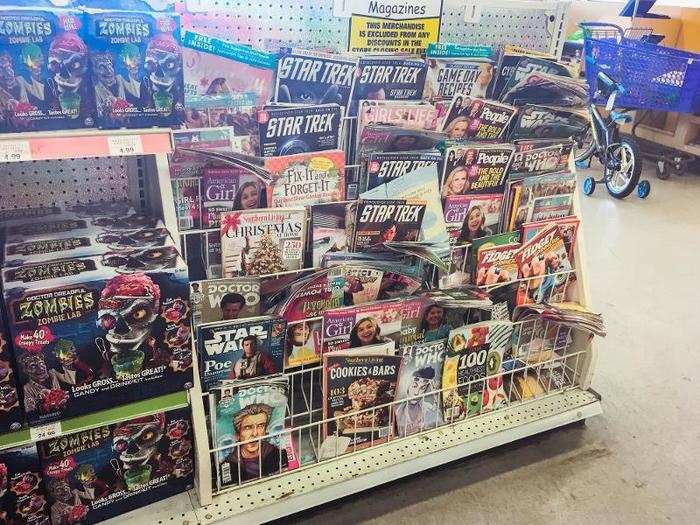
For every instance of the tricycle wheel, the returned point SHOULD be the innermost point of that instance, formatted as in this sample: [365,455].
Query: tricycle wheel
[589,185]
[643,189]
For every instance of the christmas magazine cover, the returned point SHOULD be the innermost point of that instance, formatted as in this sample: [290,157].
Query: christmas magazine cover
[23,497]
[419,385]
[229,189]
[387,220]
[259,242]
[240,349]
[96,474]
[383,167]
[475,169]
[303,129]
[388,78]
[309,77]
[449,76]
[472,378]
[306,179]
[477,119]
[353,384]
[224,299]
[242,413]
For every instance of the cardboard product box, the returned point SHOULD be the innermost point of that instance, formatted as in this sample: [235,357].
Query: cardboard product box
[100,473]
[136,67]
[44,71]
[23,498]
[97,332]
[10,410]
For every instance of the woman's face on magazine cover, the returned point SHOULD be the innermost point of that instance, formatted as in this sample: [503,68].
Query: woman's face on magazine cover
[300,334]
[434,317]
[366,332]
[458,182]
[250,197]
[474,220]
[459,130]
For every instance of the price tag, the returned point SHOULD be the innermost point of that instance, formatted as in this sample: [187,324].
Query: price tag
[125,145]
[50,430]
[15,151]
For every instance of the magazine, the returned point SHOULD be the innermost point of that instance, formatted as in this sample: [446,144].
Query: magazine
[240,349]
[568,226]
[379,221]
[518,67]
[259,242]
[382,138]
[548,90]
[331,229]
[353,384]
[229,189]
[292,130]
[475,353]
[547,122]
[475,169]
[306,179]
[224,299]
[544,197]
[489,242]
[538,160]
[496,264]
[241,413]
[388,78]
[476,119]
[419,384]
[303,341]
[383,167]
[188,202]
[407,115]
[544,262]
[470,217]
[450,76]
[312,78]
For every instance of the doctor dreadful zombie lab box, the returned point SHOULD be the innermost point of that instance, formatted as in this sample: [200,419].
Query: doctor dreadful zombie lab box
[10,410]
[23,498]
[136,68]
[97,332]
[44,71]
[96,474]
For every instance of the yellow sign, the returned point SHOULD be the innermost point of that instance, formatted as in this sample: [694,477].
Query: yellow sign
[382,35]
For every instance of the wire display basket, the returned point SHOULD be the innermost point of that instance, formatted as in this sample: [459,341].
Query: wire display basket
[652,76]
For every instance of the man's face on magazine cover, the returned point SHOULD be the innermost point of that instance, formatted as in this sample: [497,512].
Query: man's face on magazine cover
[253,426]
[418,386]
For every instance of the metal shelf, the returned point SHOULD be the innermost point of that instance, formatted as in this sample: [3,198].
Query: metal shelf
[56,145]
[97,419]
[300,489]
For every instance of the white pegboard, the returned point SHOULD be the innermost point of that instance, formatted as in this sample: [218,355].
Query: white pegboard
[65,182]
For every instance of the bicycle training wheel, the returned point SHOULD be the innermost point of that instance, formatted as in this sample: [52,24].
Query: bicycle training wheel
[627,161]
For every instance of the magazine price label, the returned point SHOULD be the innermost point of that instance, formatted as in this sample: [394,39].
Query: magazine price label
[125,145]
[47,431]
[15,151]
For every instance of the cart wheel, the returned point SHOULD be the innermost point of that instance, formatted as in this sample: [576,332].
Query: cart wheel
[643,189]
[589,185]
[662,171]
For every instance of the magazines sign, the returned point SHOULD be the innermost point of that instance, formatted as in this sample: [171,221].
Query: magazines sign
[390,26]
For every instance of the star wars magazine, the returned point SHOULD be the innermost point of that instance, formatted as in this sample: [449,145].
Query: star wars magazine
[353,384]
[11,417]
[386,220]
[331,229]
[549,123]
[383,167]
[96,474]
[544,261]
[99,331]
[542,159]
[240,349]
[312,78]
[33,97]
[513,68]
[23,497]
[388,78]
[395,320]
[306,179]
[477,119]
[219,299]
[259,242]
[474,168]
[419,384]
[240,413]
[450,76]
[470,217]
[547,90]
[227,189]
[136,65]
[223,74]
[472,378]
[302,129]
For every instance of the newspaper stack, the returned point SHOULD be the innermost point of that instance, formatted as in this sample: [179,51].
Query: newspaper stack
[565,313]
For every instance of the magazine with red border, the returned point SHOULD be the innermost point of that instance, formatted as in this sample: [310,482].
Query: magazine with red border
[568,226]
[497,264]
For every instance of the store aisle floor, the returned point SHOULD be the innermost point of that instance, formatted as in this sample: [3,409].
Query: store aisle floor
[639,461]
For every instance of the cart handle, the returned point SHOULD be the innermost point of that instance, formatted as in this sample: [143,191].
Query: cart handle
[590,27]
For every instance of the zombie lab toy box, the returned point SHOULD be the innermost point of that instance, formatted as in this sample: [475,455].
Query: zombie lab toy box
[96,474]
[96,332]
[23,498]
[44,73]
[136,68]
[10,411]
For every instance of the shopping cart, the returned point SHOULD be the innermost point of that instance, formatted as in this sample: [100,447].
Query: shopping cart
[652,77]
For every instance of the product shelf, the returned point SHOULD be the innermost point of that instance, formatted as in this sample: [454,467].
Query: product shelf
[57,145]
[94,420]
